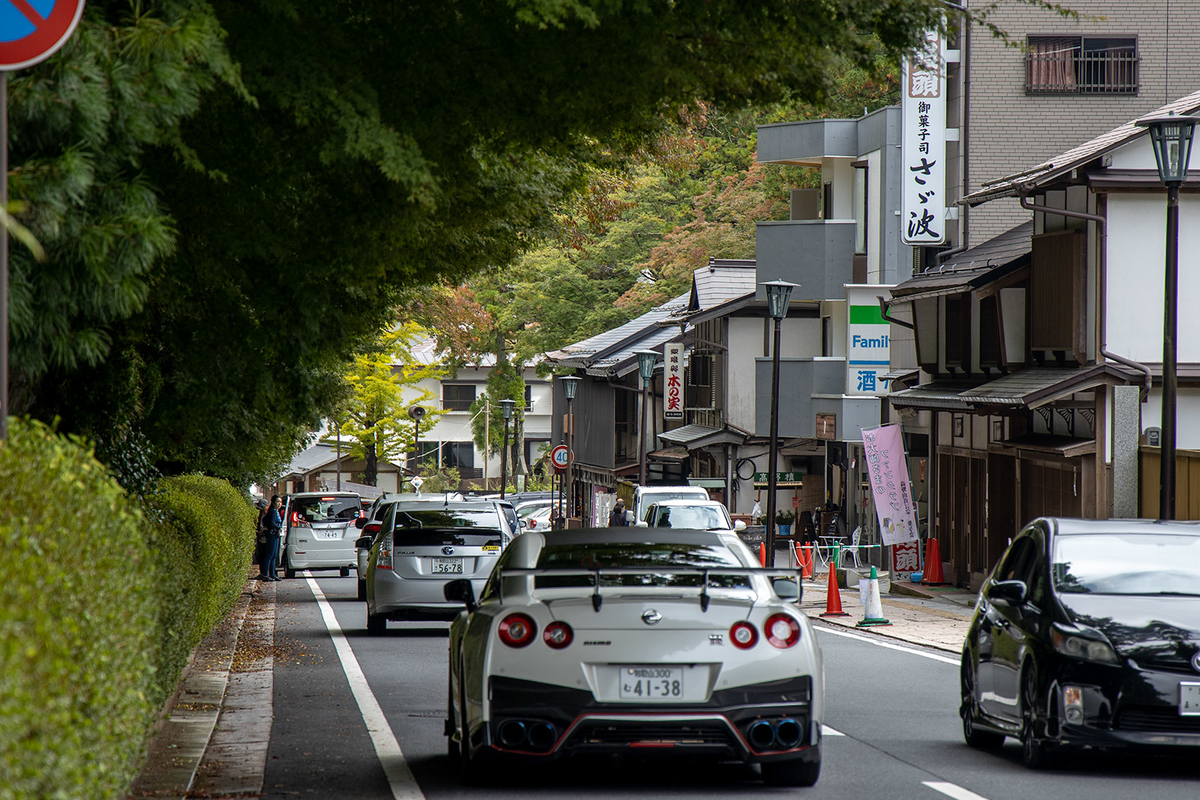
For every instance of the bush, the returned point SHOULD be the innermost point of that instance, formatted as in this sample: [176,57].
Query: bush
[100,606]
[76,622]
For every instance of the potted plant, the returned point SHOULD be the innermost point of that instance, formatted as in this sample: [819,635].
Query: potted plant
[784,520]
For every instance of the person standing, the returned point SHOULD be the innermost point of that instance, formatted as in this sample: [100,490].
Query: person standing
[272,527]
[617,518]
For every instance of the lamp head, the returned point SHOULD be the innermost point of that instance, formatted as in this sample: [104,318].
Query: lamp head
[647,360]
[569,384]
[1171,136]
[506,407]
[779,293]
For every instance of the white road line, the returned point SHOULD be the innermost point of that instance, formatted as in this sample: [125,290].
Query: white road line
[952,790]
[890,646]
[400,777]
[828,731]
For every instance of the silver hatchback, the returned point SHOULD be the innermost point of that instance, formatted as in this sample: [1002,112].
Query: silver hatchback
[421,546]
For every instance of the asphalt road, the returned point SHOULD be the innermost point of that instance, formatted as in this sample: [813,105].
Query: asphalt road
[891,708]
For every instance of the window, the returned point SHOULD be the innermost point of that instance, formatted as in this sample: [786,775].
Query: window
[457,396]
[1081,65]
[528,399]
[459,455]
[428,458]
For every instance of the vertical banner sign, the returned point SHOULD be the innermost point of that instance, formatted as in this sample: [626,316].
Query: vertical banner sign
[923,144]
[868,341]
[887,467]
[906,557]
[673,381]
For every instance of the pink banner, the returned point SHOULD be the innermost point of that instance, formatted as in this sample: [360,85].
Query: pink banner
[888,470]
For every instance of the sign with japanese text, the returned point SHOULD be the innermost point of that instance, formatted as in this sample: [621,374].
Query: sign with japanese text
[883,450]
[868,341]
[923,144]
[780,477]
[673,381]
[906,557]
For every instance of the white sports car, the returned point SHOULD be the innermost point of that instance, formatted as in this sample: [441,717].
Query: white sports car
[635,640]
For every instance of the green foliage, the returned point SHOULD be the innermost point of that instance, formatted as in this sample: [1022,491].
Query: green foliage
[446,479]
[100,607]
[76,622]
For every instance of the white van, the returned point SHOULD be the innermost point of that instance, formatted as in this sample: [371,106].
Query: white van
[319,532]
[643,496]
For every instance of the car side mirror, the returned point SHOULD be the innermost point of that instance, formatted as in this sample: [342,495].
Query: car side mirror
[363,542]
[360,523]
[460,590]
[1011,592]
[786,588]
[524,523]
[739,525]
[642,524]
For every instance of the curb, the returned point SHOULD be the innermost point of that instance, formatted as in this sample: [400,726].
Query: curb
[190,716]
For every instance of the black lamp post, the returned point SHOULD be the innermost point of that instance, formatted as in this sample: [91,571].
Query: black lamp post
[570,383]
[1171,136]
[506,408]
[779,293]
[647,360]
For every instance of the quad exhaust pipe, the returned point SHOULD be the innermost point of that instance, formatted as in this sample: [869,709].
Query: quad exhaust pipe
[526,734]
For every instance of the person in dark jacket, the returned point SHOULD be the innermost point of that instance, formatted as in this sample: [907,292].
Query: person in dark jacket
[617,518]
[272,528]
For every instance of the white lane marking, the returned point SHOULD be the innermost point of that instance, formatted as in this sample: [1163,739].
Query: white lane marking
[828,731]
[400,777]
[891,646]
[952,790]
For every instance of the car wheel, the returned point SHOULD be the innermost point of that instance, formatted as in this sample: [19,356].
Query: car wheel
[288,572]
[362,589]
[344,572]
[984,740]
[791,773]
[1034,753]
[376,623]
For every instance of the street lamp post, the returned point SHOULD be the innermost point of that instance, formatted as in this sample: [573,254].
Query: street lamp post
[570,383]
[506,408]
[1171,136]
[779,293]
[647,359]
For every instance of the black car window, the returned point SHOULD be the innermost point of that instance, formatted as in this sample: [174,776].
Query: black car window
[1017,564]
[325,509]
[493,582]
[636,555]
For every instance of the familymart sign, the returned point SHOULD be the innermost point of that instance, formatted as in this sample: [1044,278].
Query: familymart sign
[868,341]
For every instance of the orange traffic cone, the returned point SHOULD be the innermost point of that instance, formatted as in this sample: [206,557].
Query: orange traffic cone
[833,600]
[762,553]
[933,565]
[804,560]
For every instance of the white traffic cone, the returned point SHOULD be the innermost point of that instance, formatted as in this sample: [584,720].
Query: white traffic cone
[874,610]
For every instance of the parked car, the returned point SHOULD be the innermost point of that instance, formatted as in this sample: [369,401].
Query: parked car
[533,514]
[319,532]
[643,496]
[373,521]
[1087,634]
[634,642]
[421,545]
[700,515]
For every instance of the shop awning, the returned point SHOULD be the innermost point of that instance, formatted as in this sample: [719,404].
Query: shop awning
[1024,389]
[694,437]
[936,396]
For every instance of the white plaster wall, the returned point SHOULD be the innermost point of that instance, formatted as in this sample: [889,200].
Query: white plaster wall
[839,172]
[745,344]
[1187,416]
[875,212]
[1135,271]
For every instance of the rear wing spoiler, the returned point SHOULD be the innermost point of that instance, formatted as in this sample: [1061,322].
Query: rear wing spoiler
[701,572]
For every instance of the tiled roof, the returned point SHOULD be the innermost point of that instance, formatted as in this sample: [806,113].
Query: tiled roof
[972,268]
[720,282]
[1076,157]
[611,352]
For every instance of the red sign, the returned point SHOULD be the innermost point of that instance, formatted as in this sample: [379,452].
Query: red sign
[558,456]
[32,30]
[906,557]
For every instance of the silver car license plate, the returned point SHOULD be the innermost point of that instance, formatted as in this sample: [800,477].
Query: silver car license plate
[652,683]
[326,535]
[1189,699]
[447,566]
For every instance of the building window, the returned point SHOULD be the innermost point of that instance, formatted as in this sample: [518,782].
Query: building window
[528,399]
[428,458]
[459,455]
[1081,65]
[457,396]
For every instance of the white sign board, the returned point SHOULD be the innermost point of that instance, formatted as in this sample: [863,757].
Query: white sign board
[887,466]
[673,381]
[923,145]
[868,341]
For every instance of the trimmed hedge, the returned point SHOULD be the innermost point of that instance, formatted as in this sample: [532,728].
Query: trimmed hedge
[99,609]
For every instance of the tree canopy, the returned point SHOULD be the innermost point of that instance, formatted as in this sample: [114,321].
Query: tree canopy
[235,194]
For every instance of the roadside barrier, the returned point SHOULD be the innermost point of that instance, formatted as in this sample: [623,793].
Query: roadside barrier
[833,600]
[873,615]
[933,565]
[762,553]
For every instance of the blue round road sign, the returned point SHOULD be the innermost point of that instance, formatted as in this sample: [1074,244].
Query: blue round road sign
[32,30]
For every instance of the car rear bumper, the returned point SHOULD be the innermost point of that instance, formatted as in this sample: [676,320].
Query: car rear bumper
[306,558]
[399,598]
[720,728]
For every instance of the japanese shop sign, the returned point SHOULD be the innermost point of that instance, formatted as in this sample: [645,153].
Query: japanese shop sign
[868,341]
[923,145]
[887,466]
[906,557]
[673,381]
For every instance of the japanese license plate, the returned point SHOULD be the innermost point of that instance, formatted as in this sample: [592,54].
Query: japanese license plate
[652,683]
[1189,699]
[326,535]
[447,566]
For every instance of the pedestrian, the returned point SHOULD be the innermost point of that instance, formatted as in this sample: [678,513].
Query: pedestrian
[617,518]
[272,528]
[260,535]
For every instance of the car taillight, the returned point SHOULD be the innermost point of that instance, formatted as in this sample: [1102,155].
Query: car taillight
[384,559]
[558,635]
[517,630]
[782,630]
[372,528]
[531,522]
[297,522]
[743,635]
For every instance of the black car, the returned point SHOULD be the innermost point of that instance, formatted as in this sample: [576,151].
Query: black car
[1087,634]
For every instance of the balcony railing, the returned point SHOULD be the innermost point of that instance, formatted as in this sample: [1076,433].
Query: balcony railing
[1069,70]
